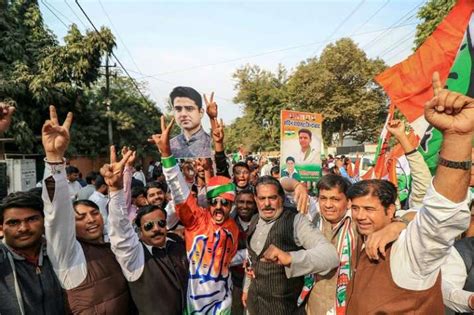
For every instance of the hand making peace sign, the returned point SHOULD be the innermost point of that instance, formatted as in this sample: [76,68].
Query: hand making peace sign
[55,137]
[113,172]
[162,141]
[211,107]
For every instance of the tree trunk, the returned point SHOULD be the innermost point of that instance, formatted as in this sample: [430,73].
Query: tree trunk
[341,134]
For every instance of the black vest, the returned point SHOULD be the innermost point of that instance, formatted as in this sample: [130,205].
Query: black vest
[271,292]
[161,289]
[465,247]
[40,289]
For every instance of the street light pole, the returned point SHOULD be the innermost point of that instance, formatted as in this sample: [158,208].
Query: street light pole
[107,99]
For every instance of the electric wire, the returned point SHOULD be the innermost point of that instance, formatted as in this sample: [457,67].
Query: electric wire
[113,54]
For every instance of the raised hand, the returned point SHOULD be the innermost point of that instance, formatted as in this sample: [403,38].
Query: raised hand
[218,132]
[113,172]
[162,141]
[211,107]
[6,113]
[377,241]
[448,111]
[131,160]
[55,137]
[301,198]
[397,128]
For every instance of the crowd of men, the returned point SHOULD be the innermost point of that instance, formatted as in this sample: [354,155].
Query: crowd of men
[212,237]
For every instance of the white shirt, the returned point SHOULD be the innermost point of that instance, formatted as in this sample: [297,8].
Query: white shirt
[266,169]
[74,188]
[313,157]
[420,251]
[64,251]
[453,279]
[124,241]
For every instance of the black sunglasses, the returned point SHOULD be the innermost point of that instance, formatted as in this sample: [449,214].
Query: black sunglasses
[149,225]
[224,202]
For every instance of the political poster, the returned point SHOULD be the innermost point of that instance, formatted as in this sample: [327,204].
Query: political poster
[301,142]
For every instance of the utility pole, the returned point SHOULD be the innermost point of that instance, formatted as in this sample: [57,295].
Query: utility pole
[107,99]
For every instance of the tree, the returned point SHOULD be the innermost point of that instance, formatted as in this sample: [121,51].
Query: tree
[263,95]
[134,119]
[431,14]
[35,71]
[340,86]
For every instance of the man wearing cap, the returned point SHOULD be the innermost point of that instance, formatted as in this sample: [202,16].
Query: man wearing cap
[193,140]
[211,237]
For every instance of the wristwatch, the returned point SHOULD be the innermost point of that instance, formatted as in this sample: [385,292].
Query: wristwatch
[461,165]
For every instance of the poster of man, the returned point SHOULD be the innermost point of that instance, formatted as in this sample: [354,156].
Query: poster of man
[301,145]
[193,141]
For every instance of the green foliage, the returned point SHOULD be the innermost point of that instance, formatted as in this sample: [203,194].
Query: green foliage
[431,14]
[340,86]
[263,95]
[133,119]
[35,71]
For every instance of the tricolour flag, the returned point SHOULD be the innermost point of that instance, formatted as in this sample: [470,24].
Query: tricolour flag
[449,51]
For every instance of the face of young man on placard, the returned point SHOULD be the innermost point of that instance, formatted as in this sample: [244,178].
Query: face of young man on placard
[305,140]
[187,114]
[290,166]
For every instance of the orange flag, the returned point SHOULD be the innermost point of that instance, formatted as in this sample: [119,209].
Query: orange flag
[408,84]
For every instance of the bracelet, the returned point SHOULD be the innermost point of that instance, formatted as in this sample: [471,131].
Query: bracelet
[55,162]
[411,152]
[460,165]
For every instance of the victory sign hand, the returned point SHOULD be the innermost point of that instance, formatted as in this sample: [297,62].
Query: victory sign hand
[218,132]
[131,160]
[162,141]
[55,137]
[211,107]
[113,172]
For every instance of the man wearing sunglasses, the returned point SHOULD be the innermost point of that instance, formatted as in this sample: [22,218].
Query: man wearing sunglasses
[153,261]
[211,237]
[193,140]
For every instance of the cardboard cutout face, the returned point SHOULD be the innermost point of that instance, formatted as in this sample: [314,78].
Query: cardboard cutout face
[193,141]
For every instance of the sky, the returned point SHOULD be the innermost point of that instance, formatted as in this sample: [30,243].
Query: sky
[202,43]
